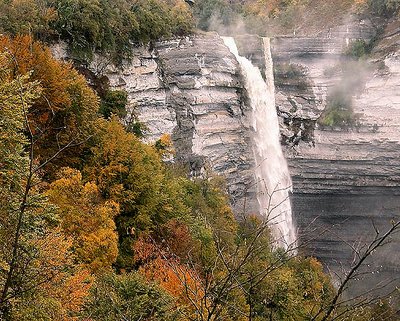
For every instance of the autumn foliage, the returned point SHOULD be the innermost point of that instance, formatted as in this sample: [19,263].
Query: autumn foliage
[87,218]
[160,264]
[288,17]
[37,264]
[94,225]
[64,112]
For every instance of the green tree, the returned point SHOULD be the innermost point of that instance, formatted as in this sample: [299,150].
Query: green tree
[114,102]
[111,28]
[34,255]
[27,17]
[221,12]
[128,297]
[130,173]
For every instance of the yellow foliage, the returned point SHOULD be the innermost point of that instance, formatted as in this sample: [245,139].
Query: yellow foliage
[165,146]
[128,172]
[64,111]
[61,286]
[87,218]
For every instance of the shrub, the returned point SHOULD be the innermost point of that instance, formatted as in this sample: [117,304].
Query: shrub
[358,49]
[385,8]
[287,70]
[295,72]
[339,111]
[128,297]
[114,102]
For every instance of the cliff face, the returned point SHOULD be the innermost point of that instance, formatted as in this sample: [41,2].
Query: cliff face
[346,179]
[191,89]
[331,156]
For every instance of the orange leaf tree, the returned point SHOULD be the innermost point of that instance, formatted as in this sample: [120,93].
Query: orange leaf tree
[64,112]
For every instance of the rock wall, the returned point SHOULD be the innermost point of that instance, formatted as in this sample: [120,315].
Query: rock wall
[346,179]
[191,89]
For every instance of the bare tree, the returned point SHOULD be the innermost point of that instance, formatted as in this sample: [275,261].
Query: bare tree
[209,295]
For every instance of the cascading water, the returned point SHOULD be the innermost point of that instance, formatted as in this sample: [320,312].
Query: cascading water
[272,174]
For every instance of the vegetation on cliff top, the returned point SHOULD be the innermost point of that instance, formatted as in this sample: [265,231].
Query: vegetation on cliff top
[93,224]
[114,27]
[103,26]
[271,17]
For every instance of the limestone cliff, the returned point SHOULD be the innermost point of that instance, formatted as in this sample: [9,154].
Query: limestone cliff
[346,179]
[191,89]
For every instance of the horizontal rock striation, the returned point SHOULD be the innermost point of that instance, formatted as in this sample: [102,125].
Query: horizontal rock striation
[363,158]
[190,88]
[346,180]
[205,91]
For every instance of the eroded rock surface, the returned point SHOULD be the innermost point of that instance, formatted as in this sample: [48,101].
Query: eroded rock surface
[347,180]
[191,89]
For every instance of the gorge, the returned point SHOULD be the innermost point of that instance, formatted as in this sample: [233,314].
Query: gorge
[345,179]
[219,160]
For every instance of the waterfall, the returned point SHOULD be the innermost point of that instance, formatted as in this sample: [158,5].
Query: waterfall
[271,171]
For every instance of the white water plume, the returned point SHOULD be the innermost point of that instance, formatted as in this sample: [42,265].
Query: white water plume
[272,174]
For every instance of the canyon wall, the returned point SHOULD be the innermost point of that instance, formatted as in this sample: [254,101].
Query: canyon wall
[346,179]
[191,89]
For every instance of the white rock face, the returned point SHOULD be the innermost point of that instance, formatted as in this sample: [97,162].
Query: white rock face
[373,146]
[204,89]
[346,180]
[190,88]
[147,96]
[342,178]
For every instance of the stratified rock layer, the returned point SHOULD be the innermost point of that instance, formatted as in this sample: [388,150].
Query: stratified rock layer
[191,89]
[346,179]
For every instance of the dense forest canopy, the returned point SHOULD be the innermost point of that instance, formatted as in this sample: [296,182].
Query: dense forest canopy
[87,209]
[93,224]
[96,25]
[114,27]
[271,17]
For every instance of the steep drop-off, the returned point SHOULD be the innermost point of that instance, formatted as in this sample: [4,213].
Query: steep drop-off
[191,89]
[346,179]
